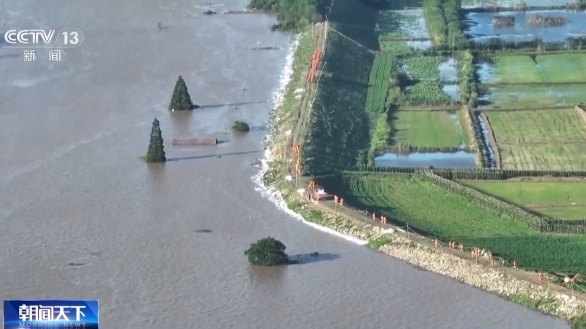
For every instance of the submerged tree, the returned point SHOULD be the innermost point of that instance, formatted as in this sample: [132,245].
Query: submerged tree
[156,151]
[240,126]
[267,252]
[181,100]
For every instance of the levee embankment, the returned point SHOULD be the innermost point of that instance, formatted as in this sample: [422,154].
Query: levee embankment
[343,131]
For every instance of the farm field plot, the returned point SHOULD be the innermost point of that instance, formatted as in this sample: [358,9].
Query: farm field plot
[537,127]
[518,97]
[482,29]
[424,206]
[545,139]
[430,68]
[553,253]
[553,199]
[403,24]
[513,69]
[428,92]
[563,67]
[549,157]
[378,85]
[426,129]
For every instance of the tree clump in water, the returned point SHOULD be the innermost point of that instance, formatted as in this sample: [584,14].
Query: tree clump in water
[503,21]
[240,126]
[267,252]
[539,20]
[181,100]
[156,151]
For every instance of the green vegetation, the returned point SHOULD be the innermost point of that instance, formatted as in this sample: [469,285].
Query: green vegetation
[267,252]
[377,243]
[156,151]
[426,129]
[400,197]
[553,199]
[427,92]
[467,78]
[579,322]
[544,252]
[455,212]
[423,67]
[240,126]
[292,15]
[379,83]
[530,97]
[546,139]
[338,133]
[563,67]
[515,69]
[443,20]
[396,27]
[181,100]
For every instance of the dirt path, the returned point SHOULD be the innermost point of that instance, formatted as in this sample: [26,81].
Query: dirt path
[308,97]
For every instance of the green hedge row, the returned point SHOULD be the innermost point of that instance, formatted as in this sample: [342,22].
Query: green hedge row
[481,173]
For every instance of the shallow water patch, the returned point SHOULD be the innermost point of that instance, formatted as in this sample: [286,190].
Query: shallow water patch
[491,154]
[531,97]
[459,159]
[480,28]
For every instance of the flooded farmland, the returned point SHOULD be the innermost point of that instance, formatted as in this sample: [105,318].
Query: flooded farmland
[405,27]
[459,159]
[481,29]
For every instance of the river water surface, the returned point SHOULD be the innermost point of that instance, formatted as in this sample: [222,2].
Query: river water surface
[81,217]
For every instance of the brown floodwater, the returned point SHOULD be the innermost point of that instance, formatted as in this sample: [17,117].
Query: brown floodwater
[82,217]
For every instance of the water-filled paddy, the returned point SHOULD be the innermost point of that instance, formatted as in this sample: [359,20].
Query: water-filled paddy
[481,29]
[459,159]
[519,96]
[558,68]
[403,24]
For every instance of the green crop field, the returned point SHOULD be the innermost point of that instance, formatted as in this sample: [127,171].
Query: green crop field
[423,205]
[423,67]
[537,127]
[427,92]
[544,139]
[563,67]
[515,69]
[523,96]
[554,253]
[378,85]
[553,199]
[427,129]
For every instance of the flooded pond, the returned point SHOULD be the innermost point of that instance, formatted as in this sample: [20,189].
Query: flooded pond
[481,29]
[459,159]
[524,96]
[491,156]
[407,24]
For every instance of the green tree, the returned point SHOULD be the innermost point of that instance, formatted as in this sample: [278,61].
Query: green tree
[181,99]
[156,151]
[267,252]
[240,126]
